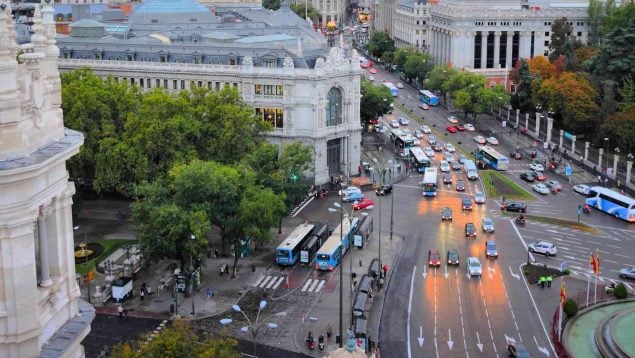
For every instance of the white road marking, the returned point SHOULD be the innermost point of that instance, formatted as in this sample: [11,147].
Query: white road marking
[412,283]
[278,283]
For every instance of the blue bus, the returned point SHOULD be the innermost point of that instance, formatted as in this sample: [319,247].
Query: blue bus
[288,252]
[429,183]
[428,98]
[492,157]
[612,202]
[393,89]
[470,169]
[419,159]
[329,255]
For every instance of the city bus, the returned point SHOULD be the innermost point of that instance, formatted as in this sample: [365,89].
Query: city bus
[329,255]
[313,243]
[470,169]
[429,183]
[288,252]
[428,98]
[612,202]
[419,159]
[393,89]
[492,157]
[402,141]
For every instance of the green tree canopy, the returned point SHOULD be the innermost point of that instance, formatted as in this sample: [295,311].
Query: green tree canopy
[379,43]
[299,8]
[376,100]
[271,4]
[621,127]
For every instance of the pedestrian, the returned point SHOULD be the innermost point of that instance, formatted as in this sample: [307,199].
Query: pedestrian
[381,283]
[149,290]
[125,313]
[599,179]
[329,331]
[227,269]
[215,253]
[142,293]
[359,170]
[385,268]
[222,269]
[543,280]
[354,283]
[120,311]
[594,169]
[503,199]
[209,293]
[549,279]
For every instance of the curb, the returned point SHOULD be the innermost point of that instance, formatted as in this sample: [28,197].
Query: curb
[381,307]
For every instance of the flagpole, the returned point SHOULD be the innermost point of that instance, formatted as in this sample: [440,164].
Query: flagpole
[561,305]
[588,289]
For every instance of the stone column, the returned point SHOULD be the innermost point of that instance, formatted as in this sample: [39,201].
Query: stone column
[601,150]
[629,166]
[561,137]
[497,49]
[586,150]
[525,44]
[42,233]
[537,125]
[527,121]
[508,55]
[573,138]
[615,159]
[484,49]
[549,128]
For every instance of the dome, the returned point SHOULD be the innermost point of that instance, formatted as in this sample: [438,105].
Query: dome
[171,11]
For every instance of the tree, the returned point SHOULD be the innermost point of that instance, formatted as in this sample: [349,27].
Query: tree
[400,57]
[179,340]
[627,92]
[621,292]
[375,101]
[439,80]
[417,66]
[379,43]
[271,4]
[299,9]
[621,128]
[596,14]
[560,33]
[540,66]
[616,58]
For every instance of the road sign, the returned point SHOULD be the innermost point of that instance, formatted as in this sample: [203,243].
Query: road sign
[563,266]
[567,171]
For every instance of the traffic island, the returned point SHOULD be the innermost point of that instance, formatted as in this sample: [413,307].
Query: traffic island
[533,272]
[496,185]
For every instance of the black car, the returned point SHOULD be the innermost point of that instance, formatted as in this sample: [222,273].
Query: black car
[466,203]
[470,230]
[446,214]
[453,257]
[516,350]
[447,178]
[460,186]
[528,177]
[384,189]
[515,207]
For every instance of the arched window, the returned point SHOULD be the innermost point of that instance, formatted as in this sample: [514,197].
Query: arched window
[334,107]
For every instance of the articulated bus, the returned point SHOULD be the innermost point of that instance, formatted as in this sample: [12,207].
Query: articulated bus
[428,98]
[329,255]
[420,159]
[492,157]
[402,140]
[393,89]
[612,202]
[288,252]
[429,183]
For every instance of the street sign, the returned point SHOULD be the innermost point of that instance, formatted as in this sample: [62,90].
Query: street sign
[567,171]
[563,266]
[545,145]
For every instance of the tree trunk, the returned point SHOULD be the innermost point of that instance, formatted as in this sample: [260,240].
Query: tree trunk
[236,255]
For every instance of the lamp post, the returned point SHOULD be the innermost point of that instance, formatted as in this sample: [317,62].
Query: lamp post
[348,215]
[193,238]
[606,139]
[254,327]
[382,172]
[83,247]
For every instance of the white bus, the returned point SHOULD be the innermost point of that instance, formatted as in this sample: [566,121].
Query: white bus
[393,89]
[288,252]
[492,157]
[612,202]
[429,183]
[420,159]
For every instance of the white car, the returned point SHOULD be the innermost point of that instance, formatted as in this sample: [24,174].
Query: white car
[469,127]
[492,140]
[453,120]
[449,147]
[480,139]
[399,85]
[474,267]
[424,106]
[403,121]
[479,197]
[540,188]
[543,247]
[371,78]
[418,134]
[426,129]
[429,152]
[445,166]
[537,167]
[582,189]
[394,123]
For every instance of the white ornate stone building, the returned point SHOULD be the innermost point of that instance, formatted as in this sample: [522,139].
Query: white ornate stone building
[410,26]
[40,310]
[278,63]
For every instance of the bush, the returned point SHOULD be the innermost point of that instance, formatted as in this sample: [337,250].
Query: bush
[620,291]
[570,307]
[566,272]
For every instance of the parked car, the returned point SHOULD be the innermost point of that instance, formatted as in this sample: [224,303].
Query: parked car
[434,258]
[460,186]
[446,214]
[553,185]
[460,127]
[403,121]
[582,189]
[365,203]
[445,167]
[399,85]
[371,78]
[451,128]
[447,156]
[540,188]
[469,127]
[470,230]
[354,196]
[480,139]
[515,207]
[447,178]
[453,120]
[536,167]
[384,189]
[429,152]
[540,176]
[492,140]
[543,247]
[488,225]
[449,147]
[424,106]
[628,273]
[479,197]
[432,139]
[466,203]
[490,249]
[453,257]
[474,267]
[373,71]
[438,147]
[426,129]
[527,176]
[394,123]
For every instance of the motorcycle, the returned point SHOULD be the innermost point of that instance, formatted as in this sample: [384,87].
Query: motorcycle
[321,194]
[586,209]
[520,220]
[310,342]
[610,288]
[321,342]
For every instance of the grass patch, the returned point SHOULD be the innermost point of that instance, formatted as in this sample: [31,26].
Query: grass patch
[560,222]
[109,247]
[497,185]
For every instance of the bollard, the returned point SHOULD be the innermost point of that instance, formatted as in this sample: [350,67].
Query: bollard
[253,268]
[360,263]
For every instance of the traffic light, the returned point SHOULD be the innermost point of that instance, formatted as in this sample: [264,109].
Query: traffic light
[293,177]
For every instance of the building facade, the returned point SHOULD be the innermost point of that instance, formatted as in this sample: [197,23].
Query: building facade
[278,63]
[40,310]
[410,27]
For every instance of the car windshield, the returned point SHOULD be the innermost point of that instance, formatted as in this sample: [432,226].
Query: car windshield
[487,222]
[474,263]
[466,201]
[469,227]
[453,255]
[447,212]
[434,255]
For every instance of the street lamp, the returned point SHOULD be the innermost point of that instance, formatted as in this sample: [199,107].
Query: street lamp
[382,172]
[254,327]
[193,238]
[349,215]
[606,139]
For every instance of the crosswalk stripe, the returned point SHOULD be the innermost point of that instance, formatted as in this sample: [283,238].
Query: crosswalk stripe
[265,281]
[313,285]
[306,285]
[271,282]
[278,283]
[259,281]
[322,282]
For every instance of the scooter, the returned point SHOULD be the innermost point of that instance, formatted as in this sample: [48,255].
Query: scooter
[610,288]
[520,221]
[321,342]
[310,342]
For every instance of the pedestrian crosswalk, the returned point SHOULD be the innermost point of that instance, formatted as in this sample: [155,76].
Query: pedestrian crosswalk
[274,282]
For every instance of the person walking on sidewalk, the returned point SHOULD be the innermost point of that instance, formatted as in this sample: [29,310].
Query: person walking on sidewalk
[549,279]
[120,311]
[381,283]
[329,331]
[385,269]
[542,281]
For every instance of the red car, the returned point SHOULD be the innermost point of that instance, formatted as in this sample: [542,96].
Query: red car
[365,203]
[373,71]
[459,127]
[434,258]
[539,176]
[452,129]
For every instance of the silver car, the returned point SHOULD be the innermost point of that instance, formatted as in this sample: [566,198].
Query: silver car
[474,267]
[488,225]
[479,197]
[628,273]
